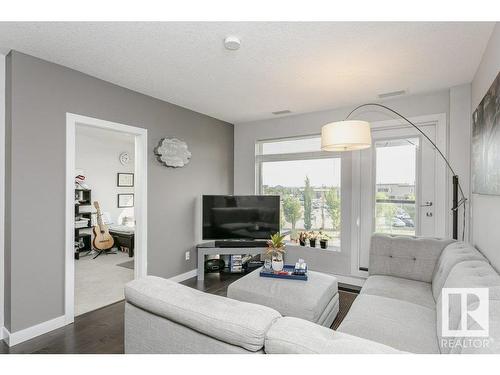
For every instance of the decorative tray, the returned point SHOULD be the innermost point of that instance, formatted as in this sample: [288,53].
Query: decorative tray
[288,273]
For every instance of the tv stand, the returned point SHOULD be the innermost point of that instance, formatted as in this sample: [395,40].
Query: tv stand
[210,248]
[241,243]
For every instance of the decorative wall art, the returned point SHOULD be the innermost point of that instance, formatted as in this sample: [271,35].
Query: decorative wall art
[486,143]
[125,200]
[125,180]
[172,152]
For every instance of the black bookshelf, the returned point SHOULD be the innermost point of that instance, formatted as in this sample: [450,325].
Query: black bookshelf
[83,198]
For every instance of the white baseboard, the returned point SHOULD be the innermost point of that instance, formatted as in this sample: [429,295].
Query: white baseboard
[26,334]
[184,276]
[3,333]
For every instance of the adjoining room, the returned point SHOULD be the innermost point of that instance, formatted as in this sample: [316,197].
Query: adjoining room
[104,200]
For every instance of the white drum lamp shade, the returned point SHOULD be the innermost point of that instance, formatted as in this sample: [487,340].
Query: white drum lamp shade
[349,135]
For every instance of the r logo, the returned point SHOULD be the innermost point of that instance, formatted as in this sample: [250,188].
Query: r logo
[479,313]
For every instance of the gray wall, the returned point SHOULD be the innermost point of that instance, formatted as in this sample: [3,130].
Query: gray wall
[41,94]
[486,208]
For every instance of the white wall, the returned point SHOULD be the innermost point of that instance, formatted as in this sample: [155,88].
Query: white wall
[486,209]
[2,185]
[459,147]
[97,154]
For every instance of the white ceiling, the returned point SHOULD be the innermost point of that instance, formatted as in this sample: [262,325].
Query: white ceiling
[302,66]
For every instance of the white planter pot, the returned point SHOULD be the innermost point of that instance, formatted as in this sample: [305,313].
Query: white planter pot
[277,265]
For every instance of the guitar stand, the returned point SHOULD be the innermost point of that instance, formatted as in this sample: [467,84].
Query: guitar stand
[108,251]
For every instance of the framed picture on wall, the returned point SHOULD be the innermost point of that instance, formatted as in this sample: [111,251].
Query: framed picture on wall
[125,200]
[125,180]
[486,143]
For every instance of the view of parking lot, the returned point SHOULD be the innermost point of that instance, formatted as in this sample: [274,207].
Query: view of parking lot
[395,190]
[310,195]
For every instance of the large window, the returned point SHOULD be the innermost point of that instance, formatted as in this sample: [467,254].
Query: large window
[308,182]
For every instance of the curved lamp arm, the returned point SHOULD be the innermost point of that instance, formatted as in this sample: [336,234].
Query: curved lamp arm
[419,130]
[456,203]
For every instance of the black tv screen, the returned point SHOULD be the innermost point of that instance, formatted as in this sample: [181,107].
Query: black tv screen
[240,217]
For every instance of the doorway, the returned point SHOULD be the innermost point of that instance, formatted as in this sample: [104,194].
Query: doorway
[95,278]
[402,185]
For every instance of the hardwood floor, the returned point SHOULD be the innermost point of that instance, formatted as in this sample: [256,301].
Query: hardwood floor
[101,331]
[97,332]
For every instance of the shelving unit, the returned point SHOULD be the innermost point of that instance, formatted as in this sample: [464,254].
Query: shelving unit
[84,199]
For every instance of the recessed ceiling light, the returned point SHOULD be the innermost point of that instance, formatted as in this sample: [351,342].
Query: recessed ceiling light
[282,112]
[232,43]
[392,93]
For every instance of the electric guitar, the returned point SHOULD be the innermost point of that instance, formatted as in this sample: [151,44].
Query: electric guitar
[102,239]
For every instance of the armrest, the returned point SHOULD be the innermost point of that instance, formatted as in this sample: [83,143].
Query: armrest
[297,336]
[408,257]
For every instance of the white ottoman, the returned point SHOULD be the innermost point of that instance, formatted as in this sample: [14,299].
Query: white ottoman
[315,300]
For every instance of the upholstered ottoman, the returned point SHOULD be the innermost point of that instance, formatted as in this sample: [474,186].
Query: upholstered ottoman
[316,299]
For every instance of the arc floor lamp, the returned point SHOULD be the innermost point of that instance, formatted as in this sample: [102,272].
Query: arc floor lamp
[351,135]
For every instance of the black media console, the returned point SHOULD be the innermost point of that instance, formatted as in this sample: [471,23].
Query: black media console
[241,243]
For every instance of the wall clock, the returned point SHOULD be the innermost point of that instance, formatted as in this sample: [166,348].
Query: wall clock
[172,152]
[124,158]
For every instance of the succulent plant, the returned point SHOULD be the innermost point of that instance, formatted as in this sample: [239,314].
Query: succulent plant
[323,236]
[276,245]
[303,236]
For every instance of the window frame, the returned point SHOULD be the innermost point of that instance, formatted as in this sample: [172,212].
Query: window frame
[345,179]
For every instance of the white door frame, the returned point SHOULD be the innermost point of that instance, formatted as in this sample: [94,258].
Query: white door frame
[140,200]
[2,188]
[442,206]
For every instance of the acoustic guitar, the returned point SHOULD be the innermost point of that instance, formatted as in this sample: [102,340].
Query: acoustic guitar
[102,239]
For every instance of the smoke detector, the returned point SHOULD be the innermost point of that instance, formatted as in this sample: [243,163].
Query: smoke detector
[232,43]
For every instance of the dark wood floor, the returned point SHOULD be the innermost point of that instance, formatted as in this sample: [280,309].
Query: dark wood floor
[101,331]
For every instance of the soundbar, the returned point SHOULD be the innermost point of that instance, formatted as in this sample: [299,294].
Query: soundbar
[241,243]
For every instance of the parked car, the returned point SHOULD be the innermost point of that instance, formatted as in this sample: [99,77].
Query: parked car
[408,222]
[398,223]
[402,214]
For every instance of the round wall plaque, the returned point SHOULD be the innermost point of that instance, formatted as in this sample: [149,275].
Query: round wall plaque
[172,152]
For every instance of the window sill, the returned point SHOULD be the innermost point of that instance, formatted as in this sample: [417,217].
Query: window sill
[329,249]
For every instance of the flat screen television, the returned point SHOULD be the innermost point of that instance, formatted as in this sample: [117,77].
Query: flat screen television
[245,217]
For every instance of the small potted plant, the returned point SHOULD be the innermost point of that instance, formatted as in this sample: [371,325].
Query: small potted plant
[303,238]
[276,249]
[312,238]
[323,240]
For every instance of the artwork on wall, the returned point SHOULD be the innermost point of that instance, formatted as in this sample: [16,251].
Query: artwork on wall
[125,180]
[125,200]
[486,143]
[172,152]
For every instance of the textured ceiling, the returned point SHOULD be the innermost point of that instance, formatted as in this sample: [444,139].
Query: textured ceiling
[302,66]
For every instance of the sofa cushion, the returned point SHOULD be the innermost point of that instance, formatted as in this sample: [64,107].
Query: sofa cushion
[400,324]
[297,336]
[301,299]
[467,274]
[234,322]
[417,292]
[408,257]
[453,254]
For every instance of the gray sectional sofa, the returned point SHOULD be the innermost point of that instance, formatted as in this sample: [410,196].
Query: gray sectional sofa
[398,309]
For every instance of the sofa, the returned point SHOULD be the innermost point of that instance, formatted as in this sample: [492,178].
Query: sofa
[398,309]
